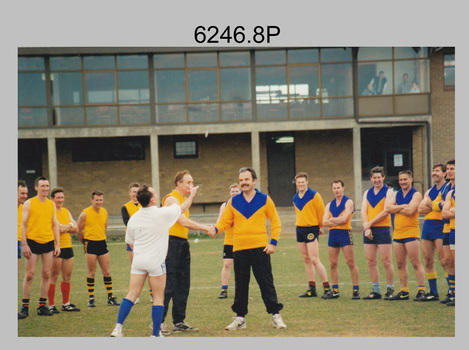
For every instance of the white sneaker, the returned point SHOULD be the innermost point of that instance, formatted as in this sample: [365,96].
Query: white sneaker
[238,323]
[137,301]
[278,322]
[117,332]
[154,336]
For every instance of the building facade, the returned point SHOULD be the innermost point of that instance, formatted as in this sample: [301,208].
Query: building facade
[101,118]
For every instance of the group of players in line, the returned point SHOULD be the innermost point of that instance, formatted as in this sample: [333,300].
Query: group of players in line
[42,223]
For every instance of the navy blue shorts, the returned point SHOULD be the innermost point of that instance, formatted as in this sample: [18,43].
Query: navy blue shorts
[128,248]
[19,249]
[432,229]
[227,251]
[405,240]
[452,237]
[307,234]
[381,235]
[445,238]
[340,238]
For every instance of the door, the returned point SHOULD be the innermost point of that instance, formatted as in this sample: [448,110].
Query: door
[30,162]
[281,168]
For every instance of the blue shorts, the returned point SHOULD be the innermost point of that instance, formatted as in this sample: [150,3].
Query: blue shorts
[381,235]
[128,248]
[307,234]
[19,249]
[452,237]
[445,238]
[405,240]
[432,229]
[340,238]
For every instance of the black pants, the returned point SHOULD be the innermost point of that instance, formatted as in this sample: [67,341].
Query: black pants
[178,278]
[259,261]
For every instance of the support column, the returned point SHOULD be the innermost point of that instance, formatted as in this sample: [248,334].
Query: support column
[256,156]
[155,165]
[52,156]
[357,167]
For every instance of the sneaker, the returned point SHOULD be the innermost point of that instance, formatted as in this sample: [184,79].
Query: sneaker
[446,299]
[430,296]
[184,327]
[330,295]
[420,296]
[278,322]
[309,293]
[53,309]
[23,313]
[159,335]
[372,295]
[223,294]
[356,294]
[137,301]
[451,302]
[117,332]
[401,296]
[112,301]
[389,294]
[163,330]
[44,311]
[238,323]
[91,303]
[70,307]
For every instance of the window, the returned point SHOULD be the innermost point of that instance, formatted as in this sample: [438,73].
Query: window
[449,70]
[185,149]
[108,149]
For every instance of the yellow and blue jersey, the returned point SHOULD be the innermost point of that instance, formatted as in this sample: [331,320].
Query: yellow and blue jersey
[177,230]
[375,205]
[452,222]
[309,208]
[406,226]
[249,219]
[336,211]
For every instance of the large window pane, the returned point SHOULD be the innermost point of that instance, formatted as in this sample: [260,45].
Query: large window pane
[31,89]
[336,79]
[411,76]
[271,92]
[378,74]
[337,107]
[132,61]
[336,55]
[133,87]
[102,115]
[374,53]
[67,89]
[99,62]
[270,57]
[175,60]
[208,59]
[304,109]
[170,86]
[410,52]
[236,111]
[65,63]
[204,112]
[303,56]
[32,116]
[304,81]
[69,116]
[30,63]
[134,114]
[230,59]
[171,113]
[100,87]
[449,67]
[235,84]
[203,85]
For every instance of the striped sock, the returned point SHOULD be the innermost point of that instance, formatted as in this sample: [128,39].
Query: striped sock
[431,277]
[25,304]
[108,284]
[156,317]
[42,302]
[452,283]
[90,284]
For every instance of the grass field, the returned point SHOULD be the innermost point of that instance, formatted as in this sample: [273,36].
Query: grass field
[310,317]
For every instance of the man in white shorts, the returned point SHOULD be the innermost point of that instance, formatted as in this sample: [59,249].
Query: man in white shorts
[147,234]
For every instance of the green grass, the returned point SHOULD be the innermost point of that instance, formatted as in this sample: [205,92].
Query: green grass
[310,317]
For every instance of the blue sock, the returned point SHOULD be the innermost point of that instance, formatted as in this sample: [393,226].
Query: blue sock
[156,317]
[225,286]
[124,310]
[376,288]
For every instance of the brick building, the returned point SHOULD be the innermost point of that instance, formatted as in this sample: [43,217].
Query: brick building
[101,118]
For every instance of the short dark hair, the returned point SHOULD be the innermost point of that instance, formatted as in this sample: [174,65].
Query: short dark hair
[377,170]
[22,183]
[55,191]
[441,166]
[251,170]
[338,182]
[40,178]
[452,162]
[96,193]
[406,172]
[144,195]
[133,184]
[301,174]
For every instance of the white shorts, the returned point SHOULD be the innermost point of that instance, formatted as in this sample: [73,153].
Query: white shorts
[151,271]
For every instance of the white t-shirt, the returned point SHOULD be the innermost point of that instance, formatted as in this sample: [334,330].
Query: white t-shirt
[148,232]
